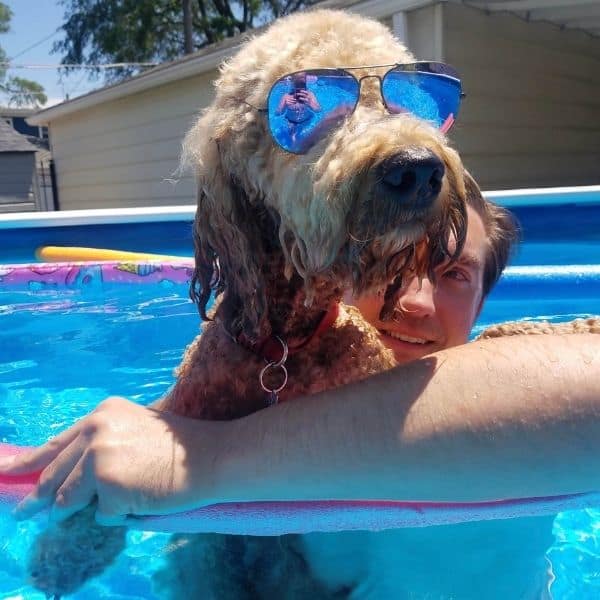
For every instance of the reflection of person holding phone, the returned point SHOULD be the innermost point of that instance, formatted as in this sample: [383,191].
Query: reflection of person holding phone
[297,109]
[300,104]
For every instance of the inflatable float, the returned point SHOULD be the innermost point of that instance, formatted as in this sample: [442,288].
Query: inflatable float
[76,254]
[279,518]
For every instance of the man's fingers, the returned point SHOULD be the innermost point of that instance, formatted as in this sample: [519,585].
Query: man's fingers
[30,505]
[77,491]
[38,458]
[51,479]
[56,473]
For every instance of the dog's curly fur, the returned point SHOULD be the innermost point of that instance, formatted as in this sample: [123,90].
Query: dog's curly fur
[280,237]
[590,325]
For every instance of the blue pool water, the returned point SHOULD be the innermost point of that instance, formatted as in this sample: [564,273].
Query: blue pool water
[63,352]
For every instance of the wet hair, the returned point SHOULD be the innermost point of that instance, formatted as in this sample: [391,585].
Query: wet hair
[502,231]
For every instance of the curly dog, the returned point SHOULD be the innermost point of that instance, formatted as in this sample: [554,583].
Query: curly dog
[280,235]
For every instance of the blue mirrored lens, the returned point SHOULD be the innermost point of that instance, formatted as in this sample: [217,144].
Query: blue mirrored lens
[305,106]
[429,96]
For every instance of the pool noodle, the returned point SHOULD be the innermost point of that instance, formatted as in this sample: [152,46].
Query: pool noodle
[74,253]
[279,518]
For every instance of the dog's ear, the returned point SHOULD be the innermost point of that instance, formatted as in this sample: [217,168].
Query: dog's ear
[231,232]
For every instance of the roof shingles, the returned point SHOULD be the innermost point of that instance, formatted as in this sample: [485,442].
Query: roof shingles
[12,141]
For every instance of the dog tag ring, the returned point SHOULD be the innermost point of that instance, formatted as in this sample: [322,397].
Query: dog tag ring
[273,393]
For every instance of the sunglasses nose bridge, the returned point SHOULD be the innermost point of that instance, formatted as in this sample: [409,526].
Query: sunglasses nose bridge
[372,93]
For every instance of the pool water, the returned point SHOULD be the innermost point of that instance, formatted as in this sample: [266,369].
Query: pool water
[63,351]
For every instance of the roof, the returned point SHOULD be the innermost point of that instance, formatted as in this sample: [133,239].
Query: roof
[570,14]
[12,141]
[576,14]
[8,111]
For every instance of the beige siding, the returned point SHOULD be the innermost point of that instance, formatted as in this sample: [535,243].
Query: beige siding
[124,153]
[532,112]
[17,181]
[422,25]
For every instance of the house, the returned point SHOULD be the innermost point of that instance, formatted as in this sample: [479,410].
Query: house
[18,178]
[530,68]
[37,135]
[17,118]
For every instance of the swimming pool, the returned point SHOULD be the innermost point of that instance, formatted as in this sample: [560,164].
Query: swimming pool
[63,348]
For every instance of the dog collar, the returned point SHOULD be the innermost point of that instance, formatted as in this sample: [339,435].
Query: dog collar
[274,350]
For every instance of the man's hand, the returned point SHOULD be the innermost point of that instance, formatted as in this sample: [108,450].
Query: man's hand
[133,460]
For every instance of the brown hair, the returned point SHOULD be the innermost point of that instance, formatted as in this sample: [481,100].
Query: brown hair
[502,230]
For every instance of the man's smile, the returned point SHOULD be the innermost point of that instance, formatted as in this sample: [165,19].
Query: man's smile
[405,338]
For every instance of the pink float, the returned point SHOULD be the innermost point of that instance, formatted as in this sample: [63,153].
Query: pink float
[82,275]
[278,518]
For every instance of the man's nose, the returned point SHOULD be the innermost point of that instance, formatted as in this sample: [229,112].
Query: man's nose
[417,299]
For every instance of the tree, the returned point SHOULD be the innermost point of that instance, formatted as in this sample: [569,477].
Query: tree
[20,91]
[149,31]
[24,92]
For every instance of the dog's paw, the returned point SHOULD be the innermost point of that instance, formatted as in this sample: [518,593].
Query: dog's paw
[68,554]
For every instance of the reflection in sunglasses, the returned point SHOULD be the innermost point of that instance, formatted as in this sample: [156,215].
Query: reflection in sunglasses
[305,106]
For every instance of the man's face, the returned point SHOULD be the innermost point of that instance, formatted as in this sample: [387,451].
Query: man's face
[431,318]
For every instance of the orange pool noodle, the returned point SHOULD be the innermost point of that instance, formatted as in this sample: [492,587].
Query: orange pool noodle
[73,253]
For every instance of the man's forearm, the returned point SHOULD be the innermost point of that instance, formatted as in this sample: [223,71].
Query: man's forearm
[503,418]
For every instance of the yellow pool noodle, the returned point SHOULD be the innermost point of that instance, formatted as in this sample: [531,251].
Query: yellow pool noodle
[73,253]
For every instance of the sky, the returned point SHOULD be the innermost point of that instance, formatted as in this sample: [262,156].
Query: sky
[32,21]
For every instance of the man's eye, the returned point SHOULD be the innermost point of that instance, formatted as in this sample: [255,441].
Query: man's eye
[456,274]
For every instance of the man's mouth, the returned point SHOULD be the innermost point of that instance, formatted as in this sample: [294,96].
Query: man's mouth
[405,338]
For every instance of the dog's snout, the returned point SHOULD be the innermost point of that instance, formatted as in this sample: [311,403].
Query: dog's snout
[413,176]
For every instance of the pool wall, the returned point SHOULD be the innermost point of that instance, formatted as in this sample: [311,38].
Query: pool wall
[559,226]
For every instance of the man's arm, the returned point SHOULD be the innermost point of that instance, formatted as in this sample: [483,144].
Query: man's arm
[504,418]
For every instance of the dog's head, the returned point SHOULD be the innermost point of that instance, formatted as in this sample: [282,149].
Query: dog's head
[351,207]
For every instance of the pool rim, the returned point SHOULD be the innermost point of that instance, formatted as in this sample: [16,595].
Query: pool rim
[570,195]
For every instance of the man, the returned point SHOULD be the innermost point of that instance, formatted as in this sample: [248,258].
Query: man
[455,425]
[433,316]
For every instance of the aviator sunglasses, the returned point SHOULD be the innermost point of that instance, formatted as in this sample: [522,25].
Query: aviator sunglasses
[303,107]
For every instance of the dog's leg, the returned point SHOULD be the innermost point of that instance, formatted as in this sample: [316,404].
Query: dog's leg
[67,554]
[230,567]
[207,566]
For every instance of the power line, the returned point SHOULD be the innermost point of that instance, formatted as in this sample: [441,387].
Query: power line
[9,65]
[36,44]
[74,88]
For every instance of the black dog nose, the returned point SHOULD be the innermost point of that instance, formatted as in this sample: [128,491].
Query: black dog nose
[413,176]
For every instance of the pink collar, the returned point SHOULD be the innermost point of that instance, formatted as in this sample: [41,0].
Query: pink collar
[272,348]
